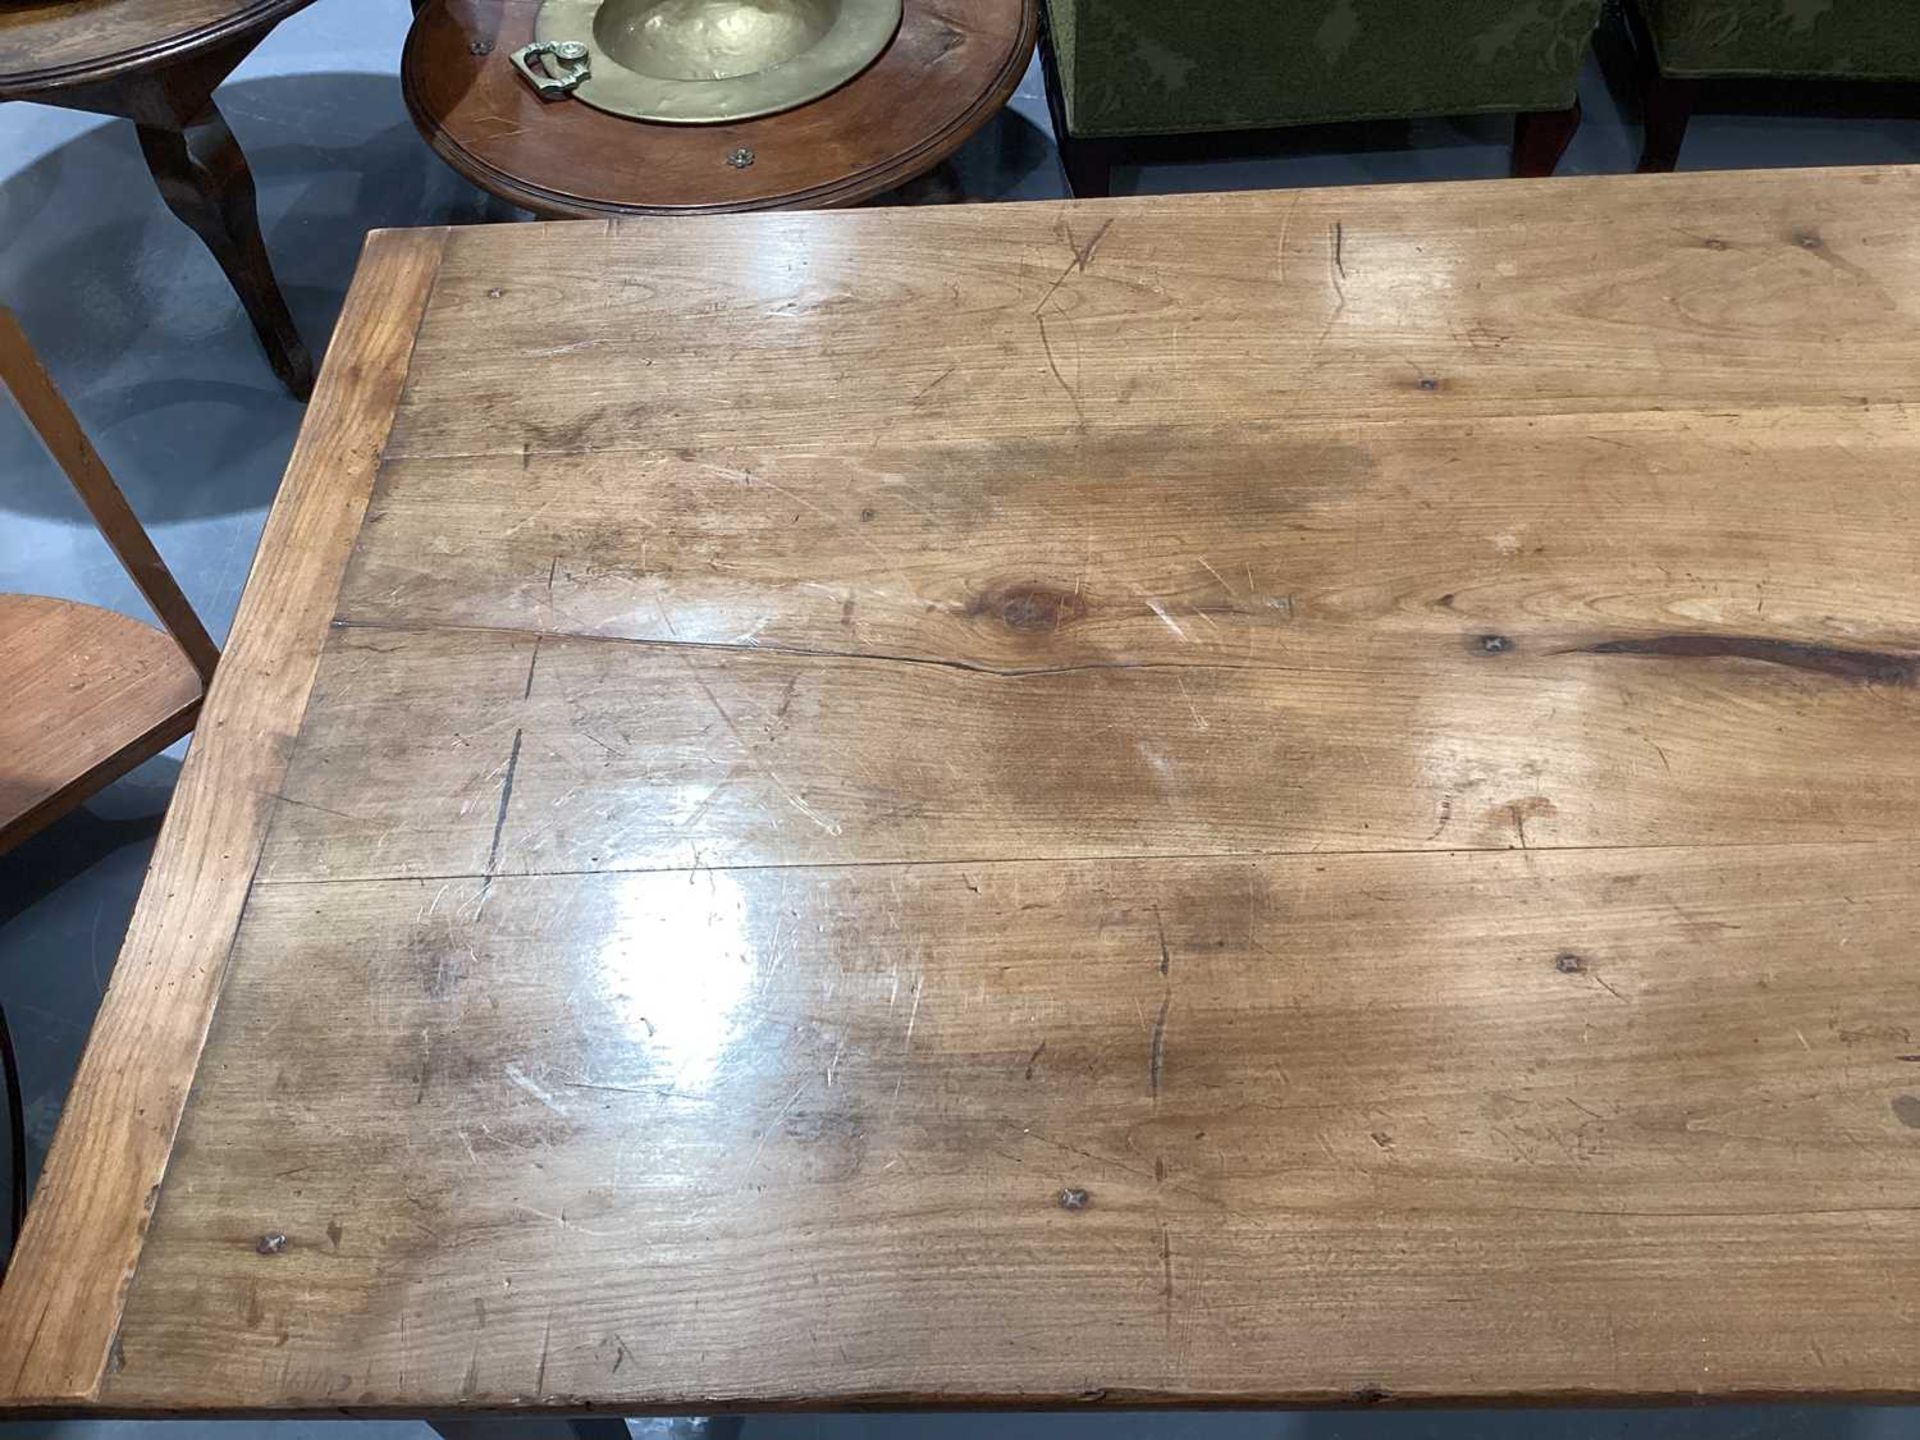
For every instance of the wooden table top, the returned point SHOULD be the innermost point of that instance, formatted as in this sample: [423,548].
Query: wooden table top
[48,46]
[1257,799]
[948,71]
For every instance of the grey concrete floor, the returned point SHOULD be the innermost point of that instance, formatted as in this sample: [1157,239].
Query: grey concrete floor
[140,330]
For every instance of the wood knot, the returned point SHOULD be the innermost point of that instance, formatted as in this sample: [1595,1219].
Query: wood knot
[1029,608]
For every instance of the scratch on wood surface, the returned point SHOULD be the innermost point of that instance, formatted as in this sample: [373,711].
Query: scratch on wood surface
[1286,228]
[706,800]
[1166,1271]
[546,1345]
[608,1087]
[913,1015]
[774,1124]
[840,523]
[426,1061]
[564,1223]
[1058,281]
[1157,1054]
[506,797]
[934,384]
[534,1088]
[753,756]
[1084,253]
[1595,976]
[532,665]
[310,805]
[1154,605]
[1053,363]
[1199,722]
[530,517]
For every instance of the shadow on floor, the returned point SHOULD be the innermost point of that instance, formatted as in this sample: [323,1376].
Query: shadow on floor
[137,323]
[65,898]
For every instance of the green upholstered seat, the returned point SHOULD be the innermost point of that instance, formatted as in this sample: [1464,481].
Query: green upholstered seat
[1158,67]
[1837,39]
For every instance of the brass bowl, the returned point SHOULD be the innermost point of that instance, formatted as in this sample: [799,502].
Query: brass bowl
[704,62]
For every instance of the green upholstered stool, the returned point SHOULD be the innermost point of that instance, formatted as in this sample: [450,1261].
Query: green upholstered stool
[1692,49]
[1120,71]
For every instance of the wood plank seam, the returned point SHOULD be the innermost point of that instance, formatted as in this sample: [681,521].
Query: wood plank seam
[1856,663]
[1364,424]
[1115,858]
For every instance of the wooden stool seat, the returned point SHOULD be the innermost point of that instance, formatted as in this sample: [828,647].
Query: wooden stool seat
[90,694]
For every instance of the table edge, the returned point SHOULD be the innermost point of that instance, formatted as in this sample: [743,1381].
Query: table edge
[259,17]
[62,1300]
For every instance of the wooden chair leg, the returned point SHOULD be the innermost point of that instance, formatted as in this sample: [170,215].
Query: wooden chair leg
[1541,137]
[1669,106]
[1089,166]
[1088,163]
[26,379]
[204,179]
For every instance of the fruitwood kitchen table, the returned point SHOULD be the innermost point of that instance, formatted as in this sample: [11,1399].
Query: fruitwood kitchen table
[1254,799]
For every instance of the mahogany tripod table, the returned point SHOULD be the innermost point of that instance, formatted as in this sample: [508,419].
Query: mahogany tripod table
[156,63]
[946,73]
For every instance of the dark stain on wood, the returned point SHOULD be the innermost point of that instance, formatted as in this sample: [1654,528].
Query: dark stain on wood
[1871,667]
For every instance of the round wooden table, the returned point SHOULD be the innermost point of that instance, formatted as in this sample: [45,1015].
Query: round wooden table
[156,63]
[946,73]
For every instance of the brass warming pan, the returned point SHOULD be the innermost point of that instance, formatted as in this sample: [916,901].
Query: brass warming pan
[703,62]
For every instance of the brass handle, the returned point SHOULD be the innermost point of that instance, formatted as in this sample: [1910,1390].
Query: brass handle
[565,66]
